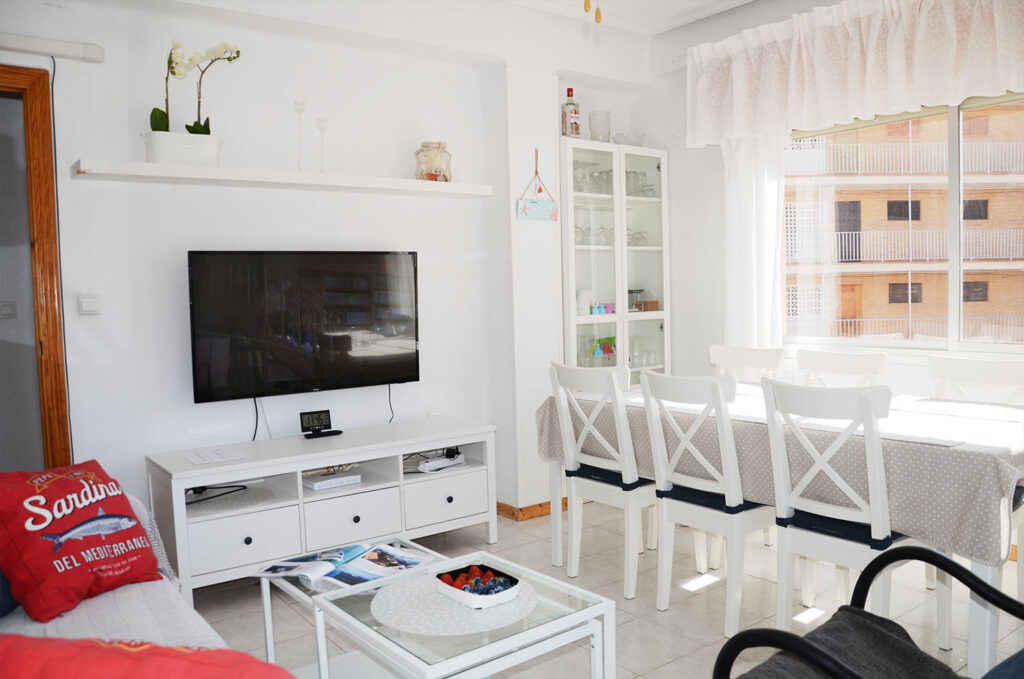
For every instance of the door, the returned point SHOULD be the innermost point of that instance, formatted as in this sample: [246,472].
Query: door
[34,432]
[850,297]
[847,230]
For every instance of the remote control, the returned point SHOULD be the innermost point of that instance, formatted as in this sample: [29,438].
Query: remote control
[439,463]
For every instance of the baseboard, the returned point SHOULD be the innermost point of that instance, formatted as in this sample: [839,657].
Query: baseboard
[528,512]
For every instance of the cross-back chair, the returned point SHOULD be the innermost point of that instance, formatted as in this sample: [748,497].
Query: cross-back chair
[961,379]
[823,366]
[847,532]
[743,363]
[712,501]
[599,469]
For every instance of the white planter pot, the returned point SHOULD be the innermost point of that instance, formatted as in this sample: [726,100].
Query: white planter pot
[182,149]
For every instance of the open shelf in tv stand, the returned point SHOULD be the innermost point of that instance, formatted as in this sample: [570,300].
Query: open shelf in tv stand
[277,518]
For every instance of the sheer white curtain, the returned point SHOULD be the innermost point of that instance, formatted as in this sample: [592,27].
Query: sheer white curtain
[854,59]
[754,184]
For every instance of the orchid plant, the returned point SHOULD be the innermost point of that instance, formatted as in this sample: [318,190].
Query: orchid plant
[178,67]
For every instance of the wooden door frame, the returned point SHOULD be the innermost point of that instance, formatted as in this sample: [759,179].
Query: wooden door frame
[33,85]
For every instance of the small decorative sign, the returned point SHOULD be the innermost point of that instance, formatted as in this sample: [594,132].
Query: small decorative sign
[537,210]
[536,203]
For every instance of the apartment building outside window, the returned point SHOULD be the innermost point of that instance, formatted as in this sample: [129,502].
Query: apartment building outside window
[868,229]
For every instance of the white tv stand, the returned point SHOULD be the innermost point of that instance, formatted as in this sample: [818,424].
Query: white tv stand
[277,518]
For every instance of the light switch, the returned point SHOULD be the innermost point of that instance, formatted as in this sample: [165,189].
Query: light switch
[89,305]
[8,309]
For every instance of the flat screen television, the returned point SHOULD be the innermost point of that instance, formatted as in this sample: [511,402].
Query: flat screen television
[271,323]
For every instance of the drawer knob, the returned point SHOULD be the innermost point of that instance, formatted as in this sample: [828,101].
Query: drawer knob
[247,540]
[450,499]
[356,519]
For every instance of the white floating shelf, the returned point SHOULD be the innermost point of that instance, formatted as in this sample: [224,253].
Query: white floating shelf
[273,179]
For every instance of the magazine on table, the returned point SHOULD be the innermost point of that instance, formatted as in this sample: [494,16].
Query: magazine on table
[346,566]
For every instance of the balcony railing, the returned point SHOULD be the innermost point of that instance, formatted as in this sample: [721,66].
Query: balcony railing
[980,157]
[975,328]
[811,244]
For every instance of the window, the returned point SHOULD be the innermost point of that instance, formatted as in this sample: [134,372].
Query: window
[868,225]
[975,209]
[898,293]
[975,126]
[975,291]
[898,210]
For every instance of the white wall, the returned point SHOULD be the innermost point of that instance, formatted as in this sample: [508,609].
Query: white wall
[386,75]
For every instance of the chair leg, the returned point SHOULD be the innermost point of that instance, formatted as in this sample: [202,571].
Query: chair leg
[944,610]
[715,552]
[1020,562]
[638,530]
[666,540]
[784,603]
[575,506]
[700,550]
[733,579]
[652,527]
[929,576]
[808,582]
[842,585]
[880,592]
[634,540]
[768,536]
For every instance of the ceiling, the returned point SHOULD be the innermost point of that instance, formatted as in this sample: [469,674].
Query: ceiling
[645,17]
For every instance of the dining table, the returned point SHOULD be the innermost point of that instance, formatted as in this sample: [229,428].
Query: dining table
[951,467]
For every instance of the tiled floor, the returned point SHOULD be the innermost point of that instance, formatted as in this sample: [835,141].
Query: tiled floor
[680,642]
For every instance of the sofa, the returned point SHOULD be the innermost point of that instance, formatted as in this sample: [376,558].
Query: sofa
[153,611]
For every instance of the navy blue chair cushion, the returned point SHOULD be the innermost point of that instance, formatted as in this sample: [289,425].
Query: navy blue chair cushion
[608,476]
[7,602]
[1011,668]
[705,498]
[838,528]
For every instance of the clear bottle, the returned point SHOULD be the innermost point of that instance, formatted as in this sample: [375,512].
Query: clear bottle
[570,116]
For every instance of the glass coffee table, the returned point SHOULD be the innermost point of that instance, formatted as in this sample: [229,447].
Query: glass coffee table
[406,625]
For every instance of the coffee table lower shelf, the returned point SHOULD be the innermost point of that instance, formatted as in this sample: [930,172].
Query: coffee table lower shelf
[563,615]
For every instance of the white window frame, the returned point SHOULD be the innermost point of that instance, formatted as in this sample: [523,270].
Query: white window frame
[955,219]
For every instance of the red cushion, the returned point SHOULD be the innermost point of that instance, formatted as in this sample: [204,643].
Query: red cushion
[66,535]
[34,658]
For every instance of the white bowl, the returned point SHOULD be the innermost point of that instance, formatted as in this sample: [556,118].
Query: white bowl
[634,138]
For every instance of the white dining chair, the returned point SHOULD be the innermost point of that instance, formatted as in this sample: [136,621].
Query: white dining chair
[743,364]
[608,475]
[849,532]
[698,485]
[961,379]
[822,367]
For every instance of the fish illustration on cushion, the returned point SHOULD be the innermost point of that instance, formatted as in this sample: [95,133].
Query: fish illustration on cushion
[102,524]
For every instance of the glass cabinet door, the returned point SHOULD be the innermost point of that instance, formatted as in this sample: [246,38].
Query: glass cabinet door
[614,253]
[594,232]
[645,276]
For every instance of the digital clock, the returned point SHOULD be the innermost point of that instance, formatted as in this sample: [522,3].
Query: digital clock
[317,423]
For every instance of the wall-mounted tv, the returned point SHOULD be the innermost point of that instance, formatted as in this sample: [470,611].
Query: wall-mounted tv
[270,323]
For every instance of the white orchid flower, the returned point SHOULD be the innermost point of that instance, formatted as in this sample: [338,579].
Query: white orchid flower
[177,55]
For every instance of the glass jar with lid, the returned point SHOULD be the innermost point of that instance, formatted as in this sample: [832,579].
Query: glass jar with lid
[434,162]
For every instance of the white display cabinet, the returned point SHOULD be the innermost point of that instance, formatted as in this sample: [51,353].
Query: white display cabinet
[615,256]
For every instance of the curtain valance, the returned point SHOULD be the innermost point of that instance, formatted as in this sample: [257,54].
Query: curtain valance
[855,59]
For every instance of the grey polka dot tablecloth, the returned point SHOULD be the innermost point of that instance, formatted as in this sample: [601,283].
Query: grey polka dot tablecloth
[951,468]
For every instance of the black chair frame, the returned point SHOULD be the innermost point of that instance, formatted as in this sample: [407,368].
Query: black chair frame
[819,659]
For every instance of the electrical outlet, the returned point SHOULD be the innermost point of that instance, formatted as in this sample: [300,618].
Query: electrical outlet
[8,309]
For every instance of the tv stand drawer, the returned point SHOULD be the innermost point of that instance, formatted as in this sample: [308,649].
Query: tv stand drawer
[245,539]
[445,498]
[353,518]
